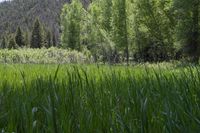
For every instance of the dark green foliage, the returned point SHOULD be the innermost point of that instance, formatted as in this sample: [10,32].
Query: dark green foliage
[48,39]
[27,39]
[154,31]
[3,44]
[37,36]
[12,44]
[188,27]
[19,38]
[54,42]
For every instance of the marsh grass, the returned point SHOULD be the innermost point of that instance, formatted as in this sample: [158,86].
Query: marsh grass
[99,99]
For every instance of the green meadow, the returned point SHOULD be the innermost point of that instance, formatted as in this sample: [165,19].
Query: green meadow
[99,99]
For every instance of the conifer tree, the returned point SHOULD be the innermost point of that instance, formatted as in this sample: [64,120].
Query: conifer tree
[3,43]
[54,43]
[12,44]
[27,39]
[19,39]
[37,37]
[48,39]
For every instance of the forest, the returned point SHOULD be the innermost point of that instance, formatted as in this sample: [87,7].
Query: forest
[99,66]
[112,31]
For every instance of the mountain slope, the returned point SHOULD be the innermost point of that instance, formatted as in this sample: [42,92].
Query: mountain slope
[23,13]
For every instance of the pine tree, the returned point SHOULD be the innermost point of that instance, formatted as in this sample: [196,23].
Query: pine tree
[48,39]
[3,43]
[54,40]
[27,39]
[12,44]
[37,37]
[19,39]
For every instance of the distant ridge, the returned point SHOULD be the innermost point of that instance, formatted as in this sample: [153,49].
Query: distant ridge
[23,13]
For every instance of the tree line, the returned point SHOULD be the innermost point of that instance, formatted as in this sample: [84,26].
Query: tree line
[38,38]
[140,30]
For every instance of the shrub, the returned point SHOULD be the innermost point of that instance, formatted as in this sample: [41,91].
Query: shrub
[43,56]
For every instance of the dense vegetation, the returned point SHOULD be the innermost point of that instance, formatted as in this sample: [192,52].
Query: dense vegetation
[145,30]
[155,99]
[24,12]
[114,31]
[39,96]
[44,56]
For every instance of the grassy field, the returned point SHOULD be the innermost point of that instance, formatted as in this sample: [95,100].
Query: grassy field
[99,99]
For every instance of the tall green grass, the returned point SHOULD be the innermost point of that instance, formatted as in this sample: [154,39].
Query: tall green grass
[99,99]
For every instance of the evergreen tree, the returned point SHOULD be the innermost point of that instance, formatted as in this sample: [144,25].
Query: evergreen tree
[54,40]
[37,37]
[48,39]
[12,44]
[27,39]
[19,39]
[3,43]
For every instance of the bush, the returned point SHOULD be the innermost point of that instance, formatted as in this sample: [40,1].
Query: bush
[43,56]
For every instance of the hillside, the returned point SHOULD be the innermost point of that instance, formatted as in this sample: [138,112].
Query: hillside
[23,13]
